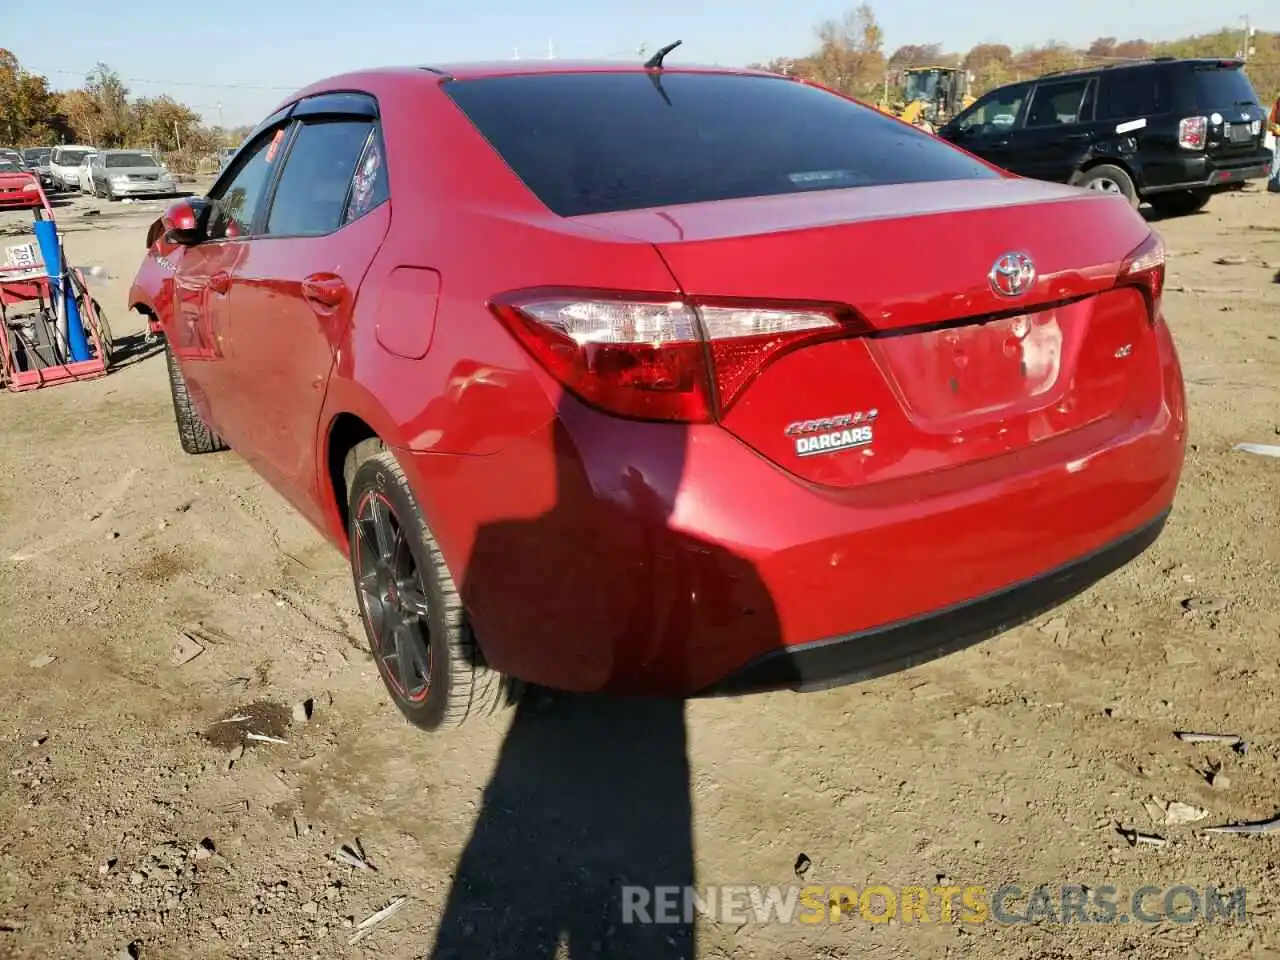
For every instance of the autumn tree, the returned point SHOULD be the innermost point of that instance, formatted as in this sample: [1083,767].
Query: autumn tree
[111,97]
[917,55]
[850,55]
[28,111]
[991,65]
[163,124]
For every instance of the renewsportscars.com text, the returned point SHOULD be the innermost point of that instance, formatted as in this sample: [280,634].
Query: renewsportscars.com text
[971,904]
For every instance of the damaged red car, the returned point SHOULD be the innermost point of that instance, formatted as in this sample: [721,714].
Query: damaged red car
[19,187]
[665,380]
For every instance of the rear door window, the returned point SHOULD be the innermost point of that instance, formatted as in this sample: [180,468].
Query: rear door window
[588,143]
[311,197]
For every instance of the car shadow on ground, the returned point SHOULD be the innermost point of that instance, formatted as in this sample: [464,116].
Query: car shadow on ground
[134,348]
[588,809]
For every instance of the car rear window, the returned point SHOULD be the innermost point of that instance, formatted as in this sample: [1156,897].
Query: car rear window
[130,160]
[70,158]
[588,143]
[1218,87]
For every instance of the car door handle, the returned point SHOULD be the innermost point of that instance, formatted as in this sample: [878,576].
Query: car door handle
[999,143]
[1077,136]
[220,282]
[323,291]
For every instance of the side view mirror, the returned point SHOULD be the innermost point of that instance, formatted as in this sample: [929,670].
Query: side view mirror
[184,221]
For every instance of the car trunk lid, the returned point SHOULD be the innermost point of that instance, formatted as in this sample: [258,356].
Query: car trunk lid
[947,371]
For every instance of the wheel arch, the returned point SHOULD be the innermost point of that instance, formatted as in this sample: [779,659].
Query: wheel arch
[1109,161]
[351,417]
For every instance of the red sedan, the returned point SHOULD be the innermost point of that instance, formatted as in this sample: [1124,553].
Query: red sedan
[19,187]
[668,381]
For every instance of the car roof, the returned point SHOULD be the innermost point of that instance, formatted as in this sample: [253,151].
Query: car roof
[475,70]
[1133,64]
[511,68]
[378,80]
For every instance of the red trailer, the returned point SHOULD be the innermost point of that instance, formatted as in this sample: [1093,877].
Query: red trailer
[38,342]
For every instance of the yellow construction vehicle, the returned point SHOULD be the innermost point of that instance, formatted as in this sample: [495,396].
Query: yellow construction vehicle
[930,96]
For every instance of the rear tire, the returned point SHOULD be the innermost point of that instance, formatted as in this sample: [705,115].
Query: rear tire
[1179,203]
[1108,178]
[418,629]
[195,435]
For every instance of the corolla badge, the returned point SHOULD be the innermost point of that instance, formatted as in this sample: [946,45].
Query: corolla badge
[1012,275]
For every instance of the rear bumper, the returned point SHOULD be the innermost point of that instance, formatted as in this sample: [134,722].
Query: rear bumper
[862,656]
[600,554]
[1201,173]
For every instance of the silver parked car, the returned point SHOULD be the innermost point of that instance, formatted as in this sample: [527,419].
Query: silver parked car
[129,173]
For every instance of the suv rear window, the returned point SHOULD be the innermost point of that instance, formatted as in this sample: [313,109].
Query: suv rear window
[601,142]
[1218,87]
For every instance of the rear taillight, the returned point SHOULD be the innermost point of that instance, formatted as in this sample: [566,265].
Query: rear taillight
[1193,132]
[655,358]
[1144,268]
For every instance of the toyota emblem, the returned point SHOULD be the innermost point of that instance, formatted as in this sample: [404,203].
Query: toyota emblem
[1012,275]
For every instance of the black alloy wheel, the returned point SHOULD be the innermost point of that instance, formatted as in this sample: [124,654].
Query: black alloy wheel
[393,598]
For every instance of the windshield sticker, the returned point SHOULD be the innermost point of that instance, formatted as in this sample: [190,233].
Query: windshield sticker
[275,145]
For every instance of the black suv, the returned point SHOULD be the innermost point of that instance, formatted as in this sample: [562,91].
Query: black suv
[1167,131]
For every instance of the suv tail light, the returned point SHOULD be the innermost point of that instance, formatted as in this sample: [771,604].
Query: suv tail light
[1193,132]
[662,358]
[1144,268]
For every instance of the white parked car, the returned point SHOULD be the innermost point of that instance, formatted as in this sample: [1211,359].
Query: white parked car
[64,165]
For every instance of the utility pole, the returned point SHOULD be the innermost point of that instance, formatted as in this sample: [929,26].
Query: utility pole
[1247,49]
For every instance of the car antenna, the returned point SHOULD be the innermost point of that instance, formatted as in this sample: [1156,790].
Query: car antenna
[655,62]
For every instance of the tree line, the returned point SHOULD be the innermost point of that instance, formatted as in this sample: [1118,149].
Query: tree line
[850,57]
[102,112]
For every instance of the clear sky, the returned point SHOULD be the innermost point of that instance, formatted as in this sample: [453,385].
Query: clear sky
[213,52]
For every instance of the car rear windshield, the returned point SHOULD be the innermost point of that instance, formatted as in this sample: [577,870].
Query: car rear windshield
[601,142]
[8,165]
[129,160]
[70,158]
[1221,87]
[36,156]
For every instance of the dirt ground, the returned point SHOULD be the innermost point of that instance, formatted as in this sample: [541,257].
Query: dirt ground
[130,820]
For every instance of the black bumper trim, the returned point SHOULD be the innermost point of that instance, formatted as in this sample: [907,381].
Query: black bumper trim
[1236,176]
[862,656]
